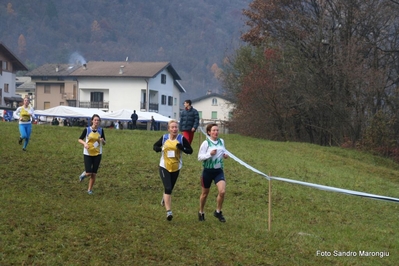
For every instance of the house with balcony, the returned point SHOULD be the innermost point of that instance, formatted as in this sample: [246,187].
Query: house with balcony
[9,65]
[54,86]
[213,107]
[110,86]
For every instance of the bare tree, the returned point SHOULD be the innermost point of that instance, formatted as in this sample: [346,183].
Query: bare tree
[338,63]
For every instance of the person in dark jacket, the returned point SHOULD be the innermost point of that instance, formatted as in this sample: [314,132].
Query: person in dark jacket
[134,118]
[153,123]
[189,121]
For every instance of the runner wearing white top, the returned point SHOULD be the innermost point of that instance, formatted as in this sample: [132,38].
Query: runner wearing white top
[24,114]
[212,153]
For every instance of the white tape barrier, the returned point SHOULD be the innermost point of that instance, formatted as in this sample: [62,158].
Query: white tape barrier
[321,187]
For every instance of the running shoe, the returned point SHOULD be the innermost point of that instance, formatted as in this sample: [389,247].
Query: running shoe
[20,141]
[219,215]
[169,215]
[90,192]
[82,176]
[201,217]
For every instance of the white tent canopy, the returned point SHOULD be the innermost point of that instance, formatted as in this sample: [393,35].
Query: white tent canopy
[69,112]
[121,115]
[125,114]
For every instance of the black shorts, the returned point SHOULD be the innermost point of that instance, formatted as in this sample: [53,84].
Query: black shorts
[92,163]
[209,175]
[168,179]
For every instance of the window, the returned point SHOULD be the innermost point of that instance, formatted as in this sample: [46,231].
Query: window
[175,101]
[47,88]
[44,78]
[4,65]
[163,100]
[200,114]
[163,78]
[46,105]
[74,92]
[1,67]
[214,101]
[143,101]
[214,115]
[6,87]
[96,96]
[170,100]
[62,88]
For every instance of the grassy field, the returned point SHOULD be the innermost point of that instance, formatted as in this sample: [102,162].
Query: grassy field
[47,218]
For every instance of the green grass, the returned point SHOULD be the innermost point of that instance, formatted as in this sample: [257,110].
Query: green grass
[47,218]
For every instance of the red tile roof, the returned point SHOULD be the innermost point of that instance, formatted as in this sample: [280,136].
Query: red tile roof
[106,69]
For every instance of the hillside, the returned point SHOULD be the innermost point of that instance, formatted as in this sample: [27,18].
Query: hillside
[192,35]
[49,219]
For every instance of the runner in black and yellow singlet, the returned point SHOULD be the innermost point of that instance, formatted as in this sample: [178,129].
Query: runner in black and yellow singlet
[92,139]
[172,146]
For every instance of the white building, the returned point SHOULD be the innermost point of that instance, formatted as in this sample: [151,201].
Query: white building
[213,106]
[110,86]
[9,65]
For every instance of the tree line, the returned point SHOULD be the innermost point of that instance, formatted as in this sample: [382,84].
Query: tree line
[318,71]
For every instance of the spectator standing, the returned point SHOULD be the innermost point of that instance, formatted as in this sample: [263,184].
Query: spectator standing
[55,122]
[24,114]
[189,121]
[134,118]
[212,153]
[153,125]
[171,146]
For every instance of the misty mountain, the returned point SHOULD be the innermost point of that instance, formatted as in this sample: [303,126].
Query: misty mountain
[193,35]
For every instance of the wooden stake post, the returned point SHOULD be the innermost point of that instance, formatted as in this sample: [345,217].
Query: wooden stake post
[270,205]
